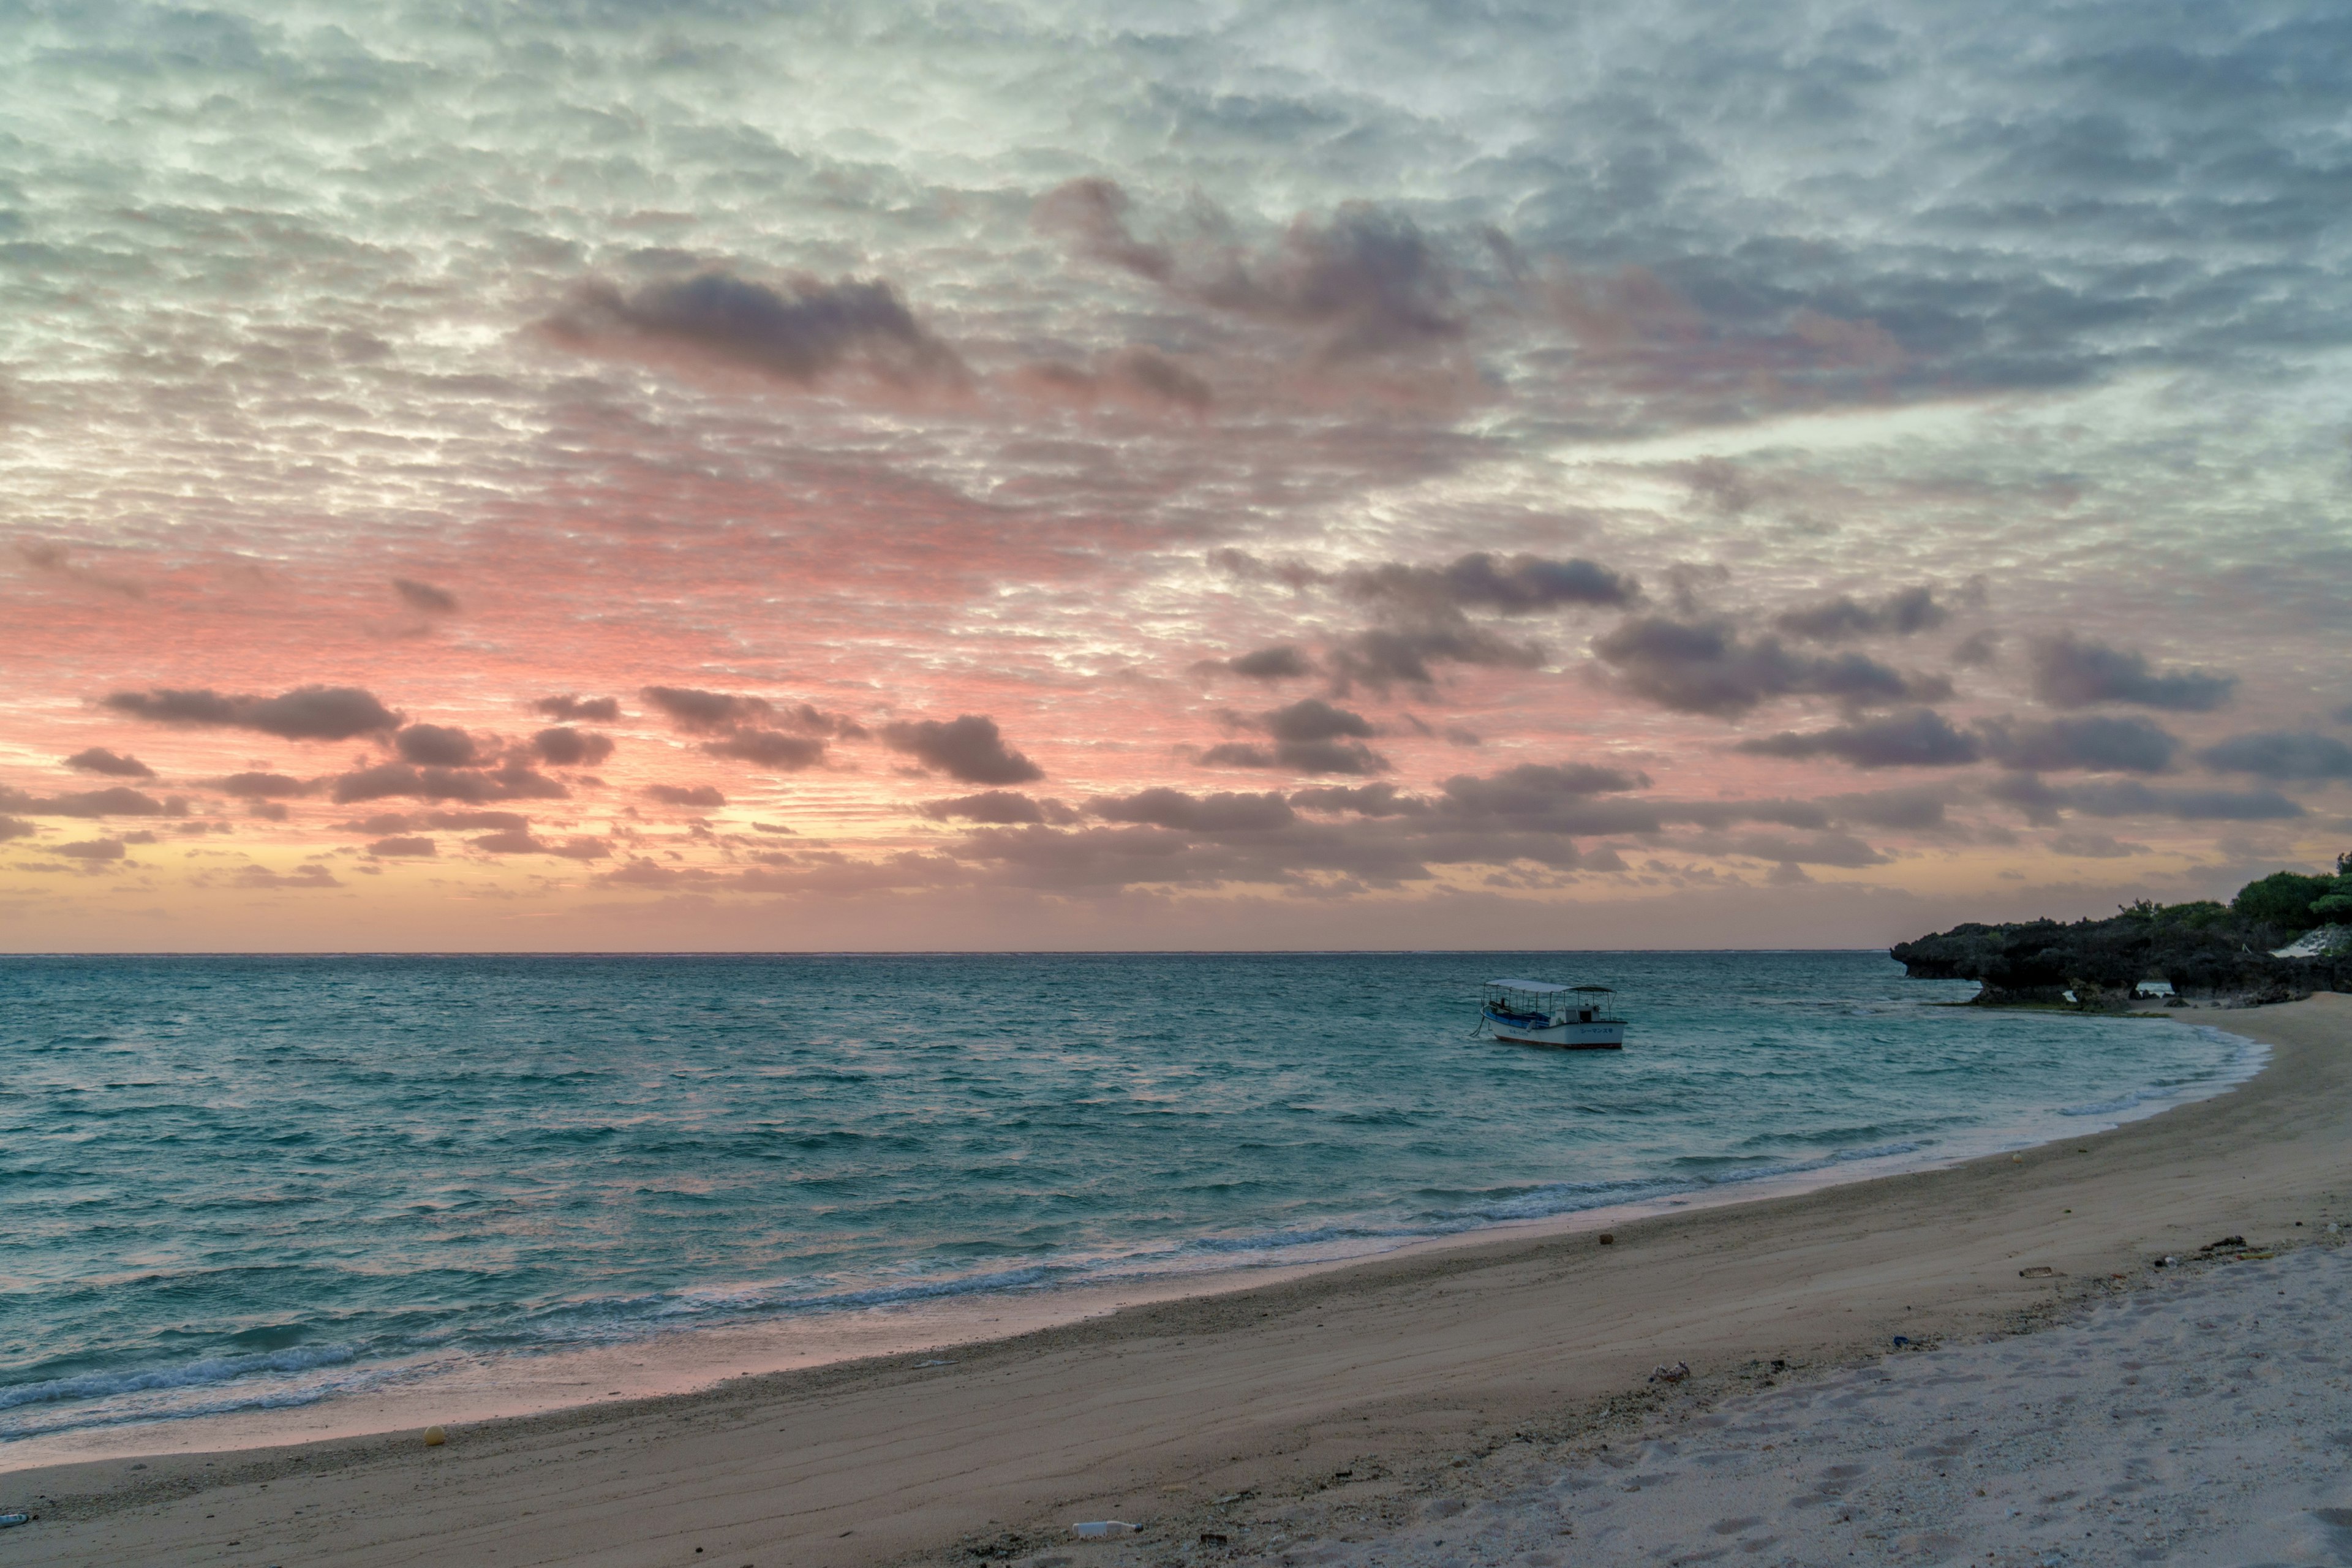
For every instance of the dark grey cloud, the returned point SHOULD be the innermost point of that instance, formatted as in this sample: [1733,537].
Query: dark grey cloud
[403,846]
[515,841]
[470,786]
[1916,810]
[1535,789]
[16,827]
[2282,755]
[1364,282]
[263,786]
[1219,814]
[769,749]
[967,748]
[437,745]
[705,712]
[580,709]
[684,794]
[1977,649]
[2043,802]
[1921,738]
[1843,619]
[1007,808]
[1310,736]
[797,331]
[89,849]
[1384,656]
[1514,585]
[2070,671]
[1359,800]
[1706,667]
[305,713]
[1133,375]
[99,760]
[120,800]
[564,747]
[425,597]
[2099,743]
[400,822]
[1281,662]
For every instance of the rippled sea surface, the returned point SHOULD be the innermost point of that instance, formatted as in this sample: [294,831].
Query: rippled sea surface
[230,1183]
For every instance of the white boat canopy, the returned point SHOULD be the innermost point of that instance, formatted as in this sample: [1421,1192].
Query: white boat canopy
[1536,987]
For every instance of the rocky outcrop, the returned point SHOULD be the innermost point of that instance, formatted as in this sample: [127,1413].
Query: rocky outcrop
[2101,961]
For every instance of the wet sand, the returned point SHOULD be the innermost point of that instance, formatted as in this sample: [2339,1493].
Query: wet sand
[1401,1372]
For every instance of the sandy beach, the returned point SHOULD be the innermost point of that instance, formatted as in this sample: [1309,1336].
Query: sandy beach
[1454,1405]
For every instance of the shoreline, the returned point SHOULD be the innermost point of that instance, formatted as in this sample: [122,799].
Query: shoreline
[1129,1412]
[686,1363]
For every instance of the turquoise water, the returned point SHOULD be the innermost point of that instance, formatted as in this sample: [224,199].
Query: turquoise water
[238,1182]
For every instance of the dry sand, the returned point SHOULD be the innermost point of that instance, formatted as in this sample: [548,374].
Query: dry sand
[1343,1415]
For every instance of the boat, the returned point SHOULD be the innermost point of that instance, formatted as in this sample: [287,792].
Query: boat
[1535,1012]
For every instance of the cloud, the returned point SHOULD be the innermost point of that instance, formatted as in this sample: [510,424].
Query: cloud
[1921,738]
[424,598]
[967,748]
[301,877]
[2041,801]
[1134,376]
[2073,673]
[769,749]
[43,555]
[1090,214]
[1421,610]
[1359,800]
[305,713]
[1281,662]
[2281,754]
[517,842]
[2093,846]
[1003,807]
[568,748]
[1975,649]
[473,786]
[402,847]
[89,849]
[118,800]
[588,709]
[1310,737]
[1845,617]
[99,760]
[16,827]
[1385,657]
[684,794]
[1515,585]
[1536,789]
[2099,743]
[1706,667]
[437,745]
[706,711]
[799,331]
[1364,282]
[262,786]
[397,822]
[1216,814]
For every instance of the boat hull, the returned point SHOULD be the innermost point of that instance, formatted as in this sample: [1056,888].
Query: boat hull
[1601,1034]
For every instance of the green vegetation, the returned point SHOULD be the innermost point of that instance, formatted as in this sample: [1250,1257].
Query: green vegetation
[2201,947]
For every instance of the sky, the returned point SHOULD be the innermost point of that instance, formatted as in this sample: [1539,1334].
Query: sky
[690,477]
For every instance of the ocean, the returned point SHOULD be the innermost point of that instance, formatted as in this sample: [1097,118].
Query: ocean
[239,1183]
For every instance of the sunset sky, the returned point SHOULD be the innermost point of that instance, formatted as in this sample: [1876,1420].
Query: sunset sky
[1165,475]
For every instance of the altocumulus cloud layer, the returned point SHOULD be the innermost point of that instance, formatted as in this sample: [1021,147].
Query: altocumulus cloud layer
[1236,474]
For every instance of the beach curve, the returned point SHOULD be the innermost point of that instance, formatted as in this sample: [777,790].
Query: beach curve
[1395,1364]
